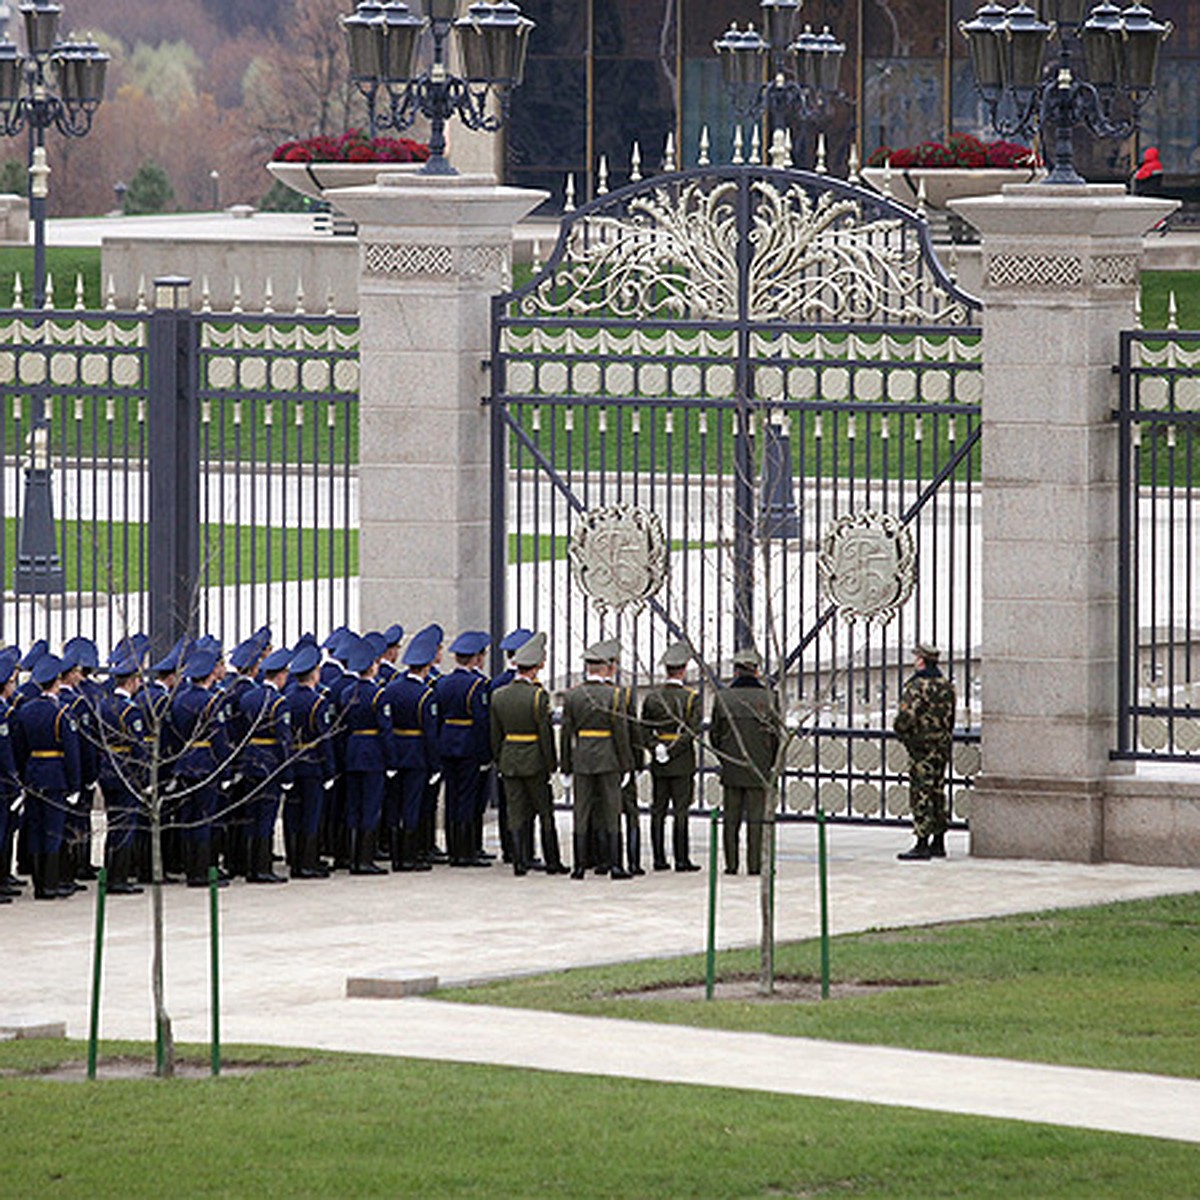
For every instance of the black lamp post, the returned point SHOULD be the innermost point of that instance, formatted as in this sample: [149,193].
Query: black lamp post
[783,71]
[57,84]
[384,41]
[1106,65]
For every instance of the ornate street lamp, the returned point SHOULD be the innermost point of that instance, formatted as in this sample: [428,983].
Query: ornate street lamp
[385,40]
[54,84]
[1106,66]
[783,71]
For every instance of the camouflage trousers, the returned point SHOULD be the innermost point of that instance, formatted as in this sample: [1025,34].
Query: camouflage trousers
[927,792]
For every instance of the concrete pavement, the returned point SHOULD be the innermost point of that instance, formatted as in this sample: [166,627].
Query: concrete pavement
[288,951]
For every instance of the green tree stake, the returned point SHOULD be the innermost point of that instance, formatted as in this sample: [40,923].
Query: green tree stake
[97,970]
[710,965]
[823,873]
[215,971]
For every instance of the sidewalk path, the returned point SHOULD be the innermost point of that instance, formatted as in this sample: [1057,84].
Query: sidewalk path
[287,952]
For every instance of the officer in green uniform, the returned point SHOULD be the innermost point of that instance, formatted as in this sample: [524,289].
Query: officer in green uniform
[630,814]
[670,725]
[524,751]
[745,737]
[596,756]
[925,723]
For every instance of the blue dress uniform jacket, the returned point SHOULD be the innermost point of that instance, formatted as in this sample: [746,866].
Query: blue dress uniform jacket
[46,749]
[122,727]
[464,741]
[194,734]
[312,733]
[368,750]
[414,709]
[266,757]
[10,783]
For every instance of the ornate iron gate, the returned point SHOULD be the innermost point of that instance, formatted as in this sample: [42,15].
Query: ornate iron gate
[752,353]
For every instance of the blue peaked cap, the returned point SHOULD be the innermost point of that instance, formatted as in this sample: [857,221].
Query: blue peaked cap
[392,634]
[200,663]
[422,648]
[85,652]
[243,654]
[47,669]
[330,643]
[377,642]
[306,657]
[470,641]
[513,641]
[277,660]
[358,654]
[39,648]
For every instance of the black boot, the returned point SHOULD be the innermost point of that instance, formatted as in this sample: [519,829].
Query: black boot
[580,855]
[409,860]
[658,842]
[633,845]
[308,865]
[45,877]
[261,869]
[518,841]
[118,873]
[937,846]
[920,851]
[550,850]
[616,871]
[679,837]
[364,863]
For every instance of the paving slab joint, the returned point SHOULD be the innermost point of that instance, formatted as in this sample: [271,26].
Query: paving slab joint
[389,985]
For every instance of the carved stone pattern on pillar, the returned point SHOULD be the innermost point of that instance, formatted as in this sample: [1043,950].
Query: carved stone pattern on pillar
[1116,270]
[1035,270]
[478,261]
[391,259]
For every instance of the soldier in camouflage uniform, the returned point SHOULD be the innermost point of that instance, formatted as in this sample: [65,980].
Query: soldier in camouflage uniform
[925,723]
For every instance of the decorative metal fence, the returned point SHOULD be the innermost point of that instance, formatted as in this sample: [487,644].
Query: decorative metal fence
[752,354]
[1159,600]
[168,470]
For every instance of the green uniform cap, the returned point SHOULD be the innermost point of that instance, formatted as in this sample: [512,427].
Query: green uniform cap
[678,654]
[532,653]
[603,652]
[929,653]
[747,657]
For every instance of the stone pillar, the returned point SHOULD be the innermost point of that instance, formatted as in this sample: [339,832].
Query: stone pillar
[1060,270]
[433,250]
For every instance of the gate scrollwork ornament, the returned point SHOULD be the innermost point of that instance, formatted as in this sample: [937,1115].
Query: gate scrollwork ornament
[868,566]
[619,557]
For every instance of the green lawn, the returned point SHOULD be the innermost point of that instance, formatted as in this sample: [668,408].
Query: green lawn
[110,557]
[64,264]
[1113,987]
[1156,289]
[361,1126]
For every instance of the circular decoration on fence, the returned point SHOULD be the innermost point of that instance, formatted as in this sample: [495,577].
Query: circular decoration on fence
[897,800]
[314,375]
[653,379]
[552,378]
[619,557]
[254,374]
[865,798]
[1153,392]
[94,369]
[8,366]
[968,387]
[833,755]
[1187,393]
[720,382]
[520,377]
[935,387]
[127,370]
[345,375]
[221,372]
[768,383]
[961,806]
[1153,733]
[835,384]
[967,760]
[868,384]
[799,795]
[686,379]
[62,369]
[33,368]
[587,377]
[902,386]
[618,379]
[800,754]
[285,372]
[1187,736]
[866,755]
[832,795]
[896,757]
[868,566]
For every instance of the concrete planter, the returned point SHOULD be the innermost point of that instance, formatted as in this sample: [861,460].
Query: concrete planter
[314,179]
[948,183]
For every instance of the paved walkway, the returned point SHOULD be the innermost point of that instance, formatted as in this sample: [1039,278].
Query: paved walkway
[287,953]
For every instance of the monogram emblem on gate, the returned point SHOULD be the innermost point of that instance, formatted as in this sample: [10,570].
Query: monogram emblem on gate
[868,566]
[618,556]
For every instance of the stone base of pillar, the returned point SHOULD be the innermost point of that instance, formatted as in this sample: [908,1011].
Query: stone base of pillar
[1038,818]
[1152,816]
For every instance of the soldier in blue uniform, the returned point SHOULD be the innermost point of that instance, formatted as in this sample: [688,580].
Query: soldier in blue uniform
[366,729]
[415,719]
[122,741]
[154,700]
[195,736]
[244,658]
[46,749]
[464,744]
[77,838]
[265,761]
[393,635]
[313,765]
[10,784]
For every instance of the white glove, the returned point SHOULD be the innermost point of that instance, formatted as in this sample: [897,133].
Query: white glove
[625,779]
[661,753]
[285,787]
[435,779]
[73,799]
[566,782]
[485,768]
[328,784]
[15,806]
[390,774]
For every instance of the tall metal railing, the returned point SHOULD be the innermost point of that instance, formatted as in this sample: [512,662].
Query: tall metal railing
[200,470]
[1159,597]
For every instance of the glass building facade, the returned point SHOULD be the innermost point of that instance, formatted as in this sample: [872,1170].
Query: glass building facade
[604,74]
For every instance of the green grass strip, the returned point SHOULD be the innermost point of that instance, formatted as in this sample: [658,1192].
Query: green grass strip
[1111,987]
[350,1125]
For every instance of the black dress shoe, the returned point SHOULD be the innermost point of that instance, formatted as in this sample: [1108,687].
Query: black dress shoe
[662,865]
[368,869]
[266,877]
[687,865]
[520,869]
[920,852]
[124,889]
[203,883]
[619,873]
[578,873]
[5,899]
